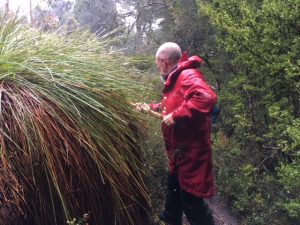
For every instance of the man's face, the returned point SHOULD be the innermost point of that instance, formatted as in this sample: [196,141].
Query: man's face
[161,66]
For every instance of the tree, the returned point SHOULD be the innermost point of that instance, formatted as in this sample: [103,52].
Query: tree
[52,14]
[262,107]
[144,19]
[100,15]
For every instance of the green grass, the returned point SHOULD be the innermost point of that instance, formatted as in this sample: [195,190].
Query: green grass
[69,138]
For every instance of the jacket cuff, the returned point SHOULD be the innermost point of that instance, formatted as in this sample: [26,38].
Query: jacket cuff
[176,114]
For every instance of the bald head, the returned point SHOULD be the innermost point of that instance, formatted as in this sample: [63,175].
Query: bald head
[170,52]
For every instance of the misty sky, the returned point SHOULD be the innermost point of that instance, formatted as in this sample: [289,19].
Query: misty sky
[23,5]
[24,9]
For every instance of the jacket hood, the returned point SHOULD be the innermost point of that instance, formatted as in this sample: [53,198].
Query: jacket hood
[190,62]
[185,62]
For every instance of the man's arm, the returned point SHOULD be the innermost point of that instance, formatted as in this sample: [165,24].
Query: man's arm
[199,98]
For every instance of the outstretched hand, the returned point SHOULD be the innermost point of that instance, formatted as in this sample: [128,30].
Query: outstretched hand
[141,106]
[145,108]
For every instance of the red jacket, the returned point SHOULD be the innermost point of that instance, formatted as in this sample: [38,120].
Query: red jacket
[190,100]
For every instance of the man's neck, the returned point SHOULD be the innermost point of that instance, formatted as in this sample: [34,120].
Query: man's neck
[174,67]
[166,75]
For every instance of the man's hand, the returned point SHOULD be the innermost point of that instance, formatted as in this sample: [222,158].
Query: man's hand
[141,106]
[145,108]
[168,120]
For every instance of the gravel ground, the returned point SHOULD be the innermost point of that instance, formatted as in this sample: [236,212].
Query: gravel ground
[221,214]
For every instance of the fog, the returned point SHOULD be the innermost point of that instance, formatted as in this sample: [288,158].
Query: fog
[23,6]
[138,20]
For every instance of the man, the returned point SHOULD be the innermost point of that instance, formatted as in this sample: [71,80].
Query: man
[186,109]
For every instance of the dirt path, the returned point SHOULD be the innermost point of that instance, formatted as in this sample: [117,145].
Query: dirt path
[221,215]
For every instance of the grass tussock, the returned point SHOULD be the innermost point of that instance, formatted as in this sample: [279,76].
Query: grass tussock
[69,138]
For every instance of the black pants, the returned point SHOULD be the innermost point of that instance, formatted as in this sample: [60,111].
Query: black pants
[178,201]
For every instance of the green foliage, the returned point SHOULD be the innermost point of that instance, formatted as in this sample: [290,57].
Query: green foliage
[100,16]
[143,62]
[293,131]
[290,179]
[184,25]
[253,195]
[261,107]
